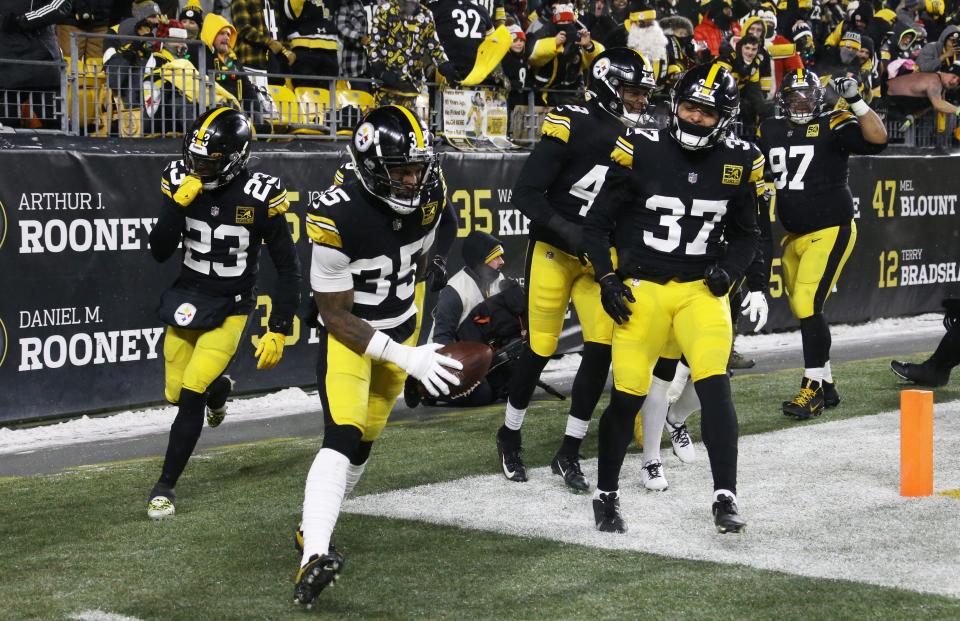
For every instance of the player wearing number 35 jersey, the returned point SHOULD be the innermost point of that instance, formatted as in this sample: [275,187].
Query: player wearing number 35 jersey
[370,236]
[680,206]
[555,190]
[223,214]
[807,151]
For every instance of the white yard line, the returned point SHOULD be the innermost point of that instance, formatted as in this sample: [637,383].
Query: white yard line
[99,615]
[822,500]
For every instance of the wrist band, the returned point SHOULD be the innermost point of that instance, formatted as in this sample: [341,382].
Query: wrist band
[859,107]
[378,344]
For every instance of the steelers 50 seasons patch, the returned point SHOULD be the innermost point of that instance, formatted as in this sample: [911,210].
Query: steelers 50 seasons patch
[732,174]
[244,215]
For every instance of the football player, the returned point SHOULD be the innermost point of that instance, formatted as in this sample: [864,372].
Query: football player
[807,151]
[679,206]
[223,214]
[556,189]
[369,236]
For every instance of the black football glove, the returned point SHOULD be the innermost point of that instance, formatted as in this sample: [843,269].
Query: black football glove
[612,293]
[570,234]
[436,273]
[449,71]
[718,280]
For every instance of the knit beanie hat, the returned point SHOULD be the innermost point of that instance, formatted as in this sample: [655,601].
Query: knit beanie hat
[143,10]
[480,248]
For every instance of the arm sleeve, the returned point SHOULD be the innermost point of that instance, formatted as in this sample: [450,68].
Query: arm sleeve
[847,134]
[446,230]
[758,274]
[380,28]
[929,58]
[602,218]
[741,234]
[50,13]
[539,171]
[166,233]
[286,293]
[447,316]
[433,44]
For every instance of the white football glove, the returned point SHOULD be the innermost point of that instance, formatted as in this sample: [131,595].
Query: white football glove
[755,303]
[679,381]
[848,88]
[425,364]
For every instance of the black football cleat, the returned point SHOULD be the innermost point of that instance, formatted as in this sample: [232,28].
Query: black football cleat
[726,516]
[316,575]
[568,466]
[217,394]
[808,403]
[511,460]
[831,398]
[606,513]
[923,374]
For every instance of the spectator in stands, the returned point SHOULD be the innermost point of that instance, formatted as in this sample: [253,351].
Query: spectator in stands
[124,67]
[404,36]
[27,33]
[642,33]
[942,53]
[717,28]
[681,54]
[191,16]
[312,35]
[351,22]
[514,66]
[932,18]
[743,63]
[88,17]
[558,51]
[258,45]
[915,94]
[462,44]
[803,40]
[599,22]
[219,38]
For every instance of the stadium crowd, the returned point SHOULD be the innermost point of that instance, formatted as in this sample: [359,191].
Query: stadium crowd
[903,55]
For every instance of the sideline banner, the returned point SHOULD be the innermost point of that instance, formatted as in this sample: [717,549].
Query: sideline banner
[78,331]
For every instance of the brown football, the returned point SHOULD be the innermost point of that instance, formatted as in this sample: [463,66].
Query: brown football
[475,357]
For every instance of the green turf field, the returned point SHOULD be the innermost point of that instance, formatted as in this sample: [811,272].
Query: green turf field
[80,541]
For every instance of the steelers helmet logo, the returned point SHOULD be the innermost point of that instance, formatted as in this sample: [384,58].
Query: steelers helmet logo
[3,224]
[601,67]
[363,139]
[3,342]
[185,314]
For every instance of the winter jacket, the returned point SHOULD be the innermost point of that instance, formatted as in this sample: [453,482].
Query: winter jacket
[929,59]
[27,33]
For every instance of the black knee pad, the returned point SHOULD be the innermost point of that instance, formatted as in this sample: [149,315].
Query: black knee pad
[665,369]
[343,439]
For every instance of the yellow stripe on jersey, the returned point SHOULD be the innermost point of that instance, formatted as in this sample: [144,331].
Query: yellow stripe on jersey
[278,204]
[556,126]
[623,153]
[323,231]
[417,131]
[338,178]
[756,175]
[166,190]
[203,128]
[840,119]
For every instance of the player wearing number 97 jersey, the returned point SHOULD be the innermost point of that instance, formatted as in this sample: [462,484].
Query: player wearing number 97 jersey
[807,151]
[369,238]
[680,205]
[555,190]
[223,214]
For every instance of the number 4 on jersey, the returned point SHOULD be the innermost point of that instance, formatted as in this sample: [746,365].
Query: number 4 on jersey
[588,187]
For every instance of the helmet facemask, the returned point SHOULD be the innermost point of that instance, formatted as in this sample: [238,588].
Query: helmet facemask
[214,169]
[609,85]
[393,189]
[801,104]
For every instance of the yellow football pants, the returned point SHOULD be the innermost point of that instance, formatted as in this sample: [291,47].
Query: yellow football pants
[194,358]
[812,264]
[686,311]
[553,279]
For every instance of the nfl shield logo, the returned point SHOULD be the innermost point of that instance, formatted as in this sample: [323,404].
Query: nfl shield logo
[214,211]
[692,177]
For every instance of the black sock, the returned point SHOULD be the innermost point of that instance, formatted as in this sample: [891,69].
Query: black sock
[815,335]
[719,429]
[526,372]
[613,438]
[184,434]
[588,385]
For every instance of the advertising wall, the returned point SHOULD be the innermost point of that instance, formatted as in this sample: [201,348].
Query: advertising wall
[78,287]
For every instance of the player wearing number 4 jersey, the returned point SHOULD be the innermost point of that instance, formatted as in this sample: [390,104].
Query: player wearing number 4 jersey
[807,151]
[224,214]
[555,190]
[369,238]
[680,207]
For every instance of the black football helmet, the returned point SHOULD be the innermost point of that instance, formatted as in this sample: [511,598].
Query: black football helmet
[217,147]
[612,70]
[712,86]
[801,96]
[390,137]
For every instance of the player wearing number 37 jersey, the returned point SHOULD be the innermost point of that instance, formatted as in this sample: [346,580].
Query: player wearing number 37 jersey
[555,190]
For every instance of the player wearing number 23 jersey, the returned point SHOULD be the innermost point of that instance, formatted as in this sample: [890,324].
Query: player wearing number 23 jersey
[555,190]
[223,214]
[807,151]
[680,204]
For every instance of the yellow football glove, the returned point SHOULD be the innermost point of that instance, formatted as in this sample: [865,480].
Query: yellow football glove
[270,350]
[188,191]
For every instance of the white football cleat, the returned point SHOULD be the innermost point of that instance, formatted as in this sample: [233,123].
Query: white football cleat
[160,507]
[682,443]
[651,475]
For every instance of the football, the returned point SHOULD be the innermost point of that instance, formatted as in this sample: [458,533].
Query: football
[475,357]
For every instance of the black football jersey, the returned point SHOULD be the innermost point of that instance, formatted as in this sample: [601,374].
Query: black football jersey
[568,167]
[362,244]
[809,167]
[461,27]
[673,212]
[223,230]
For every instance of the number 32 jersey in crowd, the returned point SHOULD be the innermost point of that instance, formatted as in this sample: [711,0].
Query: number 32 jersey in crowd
[223,230]
[362,244]
[809,166]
